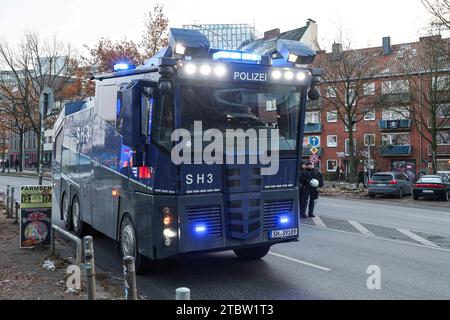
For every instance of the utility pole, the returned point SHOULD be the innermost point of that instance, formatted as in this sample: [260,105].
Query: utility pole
[47,101]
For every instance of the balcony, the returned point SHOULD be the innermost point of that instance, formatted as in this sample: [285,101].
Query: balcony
[393,151]
[313,128]
[395,125]
[314,105]
[442,150]
[395,98]
[307,152]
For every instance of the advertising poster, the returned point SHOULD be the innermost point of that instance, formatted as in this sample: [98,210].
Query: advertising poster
[35,216]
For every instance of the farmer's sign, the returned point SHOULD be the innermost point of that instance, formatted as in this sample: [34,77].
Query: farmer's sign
[35,216]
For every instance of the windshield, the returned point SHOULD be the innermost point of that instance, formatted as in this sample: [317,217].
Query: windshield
[244,108]
[430,180]
[382,177]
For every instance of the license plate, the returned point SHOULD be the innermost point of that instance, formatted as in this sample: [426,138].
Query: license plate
[428,191]
[283,233]
[381,185]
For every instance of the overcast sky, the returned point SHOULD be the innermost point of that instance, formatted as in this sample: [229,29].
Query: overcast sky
[85,21]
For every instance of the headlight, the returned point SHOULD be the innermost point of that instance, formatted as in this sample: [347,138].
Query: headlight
[289,75]
[276,74]
[220,70]
[205,70]
[190,69]
[169,233]
[301,76]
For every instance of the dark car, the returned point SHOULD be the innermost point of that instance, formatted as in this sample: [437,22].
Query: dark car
[390,183]
[435,187]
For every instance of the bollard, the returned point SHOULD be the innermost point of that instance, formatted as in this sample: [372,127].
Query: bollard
[90,267]
[16,217]
[11,203]
[183,294]
[129,272]
[52,242]
[8,188]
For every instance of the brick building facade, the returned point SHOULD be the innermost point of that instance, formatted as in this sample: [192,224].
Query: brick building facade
[388,132]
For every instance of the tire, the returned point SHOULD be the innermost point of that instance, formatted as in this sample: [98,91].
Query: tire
[400,193]
[371,195]
[416,198]
[254,253]
[129,243]
[66,212]
[77,221]
[445,197]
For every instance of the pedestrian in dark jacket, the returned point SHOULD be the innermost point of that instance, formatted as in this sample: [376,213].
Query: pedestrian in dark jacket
[17,165]
[362,178]
[308,193]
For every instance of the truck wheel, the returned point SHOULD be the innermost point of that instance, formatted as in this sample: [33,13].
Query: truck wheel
[66,214]
[76,217]
[255,253]
[129,243]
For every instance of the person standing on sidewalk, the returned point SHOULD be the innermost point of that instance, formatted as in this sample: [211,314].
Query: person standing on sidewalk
[17,165]
[309,193]
[6,167]
[362,178]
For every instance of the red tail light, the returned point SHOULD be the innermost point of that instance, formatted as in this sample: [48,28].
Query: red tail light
[393,182]
[371,182]
[429,185]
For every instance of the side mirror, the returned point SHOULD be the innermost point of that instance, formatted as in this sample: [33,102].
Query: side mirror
[133,114]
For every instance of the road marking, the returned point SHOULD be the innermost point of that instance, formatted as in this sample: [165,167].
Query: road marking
[299,262]
[417,238]
[318,222]
[335,206]
[429,218]
[379,238]
[361,228]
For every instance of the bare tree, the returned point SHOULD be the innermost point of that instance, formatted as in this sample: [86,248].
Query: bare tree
[428,65]
[349,93]
[30,67]
[155,34]
[440,9]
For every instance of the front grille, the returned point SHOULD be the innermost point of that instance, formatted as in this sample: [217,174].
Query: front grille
[209,216]
[272,211]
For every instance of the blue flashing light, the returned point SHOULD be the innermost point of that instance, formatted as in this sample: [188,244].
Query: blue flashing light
[123,67]
[284,220]
[236,55]
[200,229]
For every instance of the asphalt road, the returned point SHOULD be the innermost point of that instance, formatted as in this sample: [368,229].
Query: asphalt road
[17,182]
[411,248]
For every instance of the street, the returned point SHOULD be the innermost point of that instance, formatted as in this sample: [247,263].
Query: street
[410,246]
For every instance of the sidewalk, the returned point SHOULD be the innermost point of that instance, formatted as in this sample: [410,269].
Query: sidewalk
[26,173]
[23,277]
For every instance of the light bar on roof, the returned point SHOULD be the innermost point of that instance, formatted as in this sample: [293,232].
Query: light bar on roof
[123,66]
[236,55]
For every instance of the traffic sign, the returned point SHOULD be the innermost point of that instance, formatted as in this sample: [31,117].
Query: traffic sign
[314,141]
[314,150]
[314,158]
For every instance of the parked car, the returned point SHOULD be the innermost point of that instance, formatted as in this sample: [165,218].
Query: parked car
[390,183]
[436,187]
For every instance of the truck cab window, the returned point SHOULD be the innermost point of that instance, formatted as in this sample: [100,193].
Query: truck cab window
[163,125]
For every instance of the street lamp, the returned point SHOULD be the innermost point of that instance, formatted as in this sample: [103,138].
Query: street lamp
[230,47]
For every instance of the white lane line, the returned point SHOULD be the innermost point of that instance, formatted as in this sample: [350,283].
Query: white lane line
[299,262]
[318,222]
[378,238]
[335,206]
[417,238]
[429,218]
[361,228]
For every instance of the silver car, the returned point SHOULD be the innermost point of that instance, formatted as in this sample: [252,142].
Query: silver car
[391,184]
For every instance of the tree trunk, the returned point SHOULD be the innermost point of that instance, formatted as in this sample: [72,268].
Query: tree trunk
[351,151]
[38,152]
[21,155]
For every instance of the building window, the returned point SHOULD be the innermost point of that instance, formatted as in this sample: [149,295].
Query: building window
[347,147]
[332,141]
[396,113]
[332,117]
[347,123]
[395,87]
[332,165]
[369,140]
[350,97]
[443,83]
[313,117]
[396,139]
[370,115]
[443,137]
[369,89]
[331,92]
[443,111]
